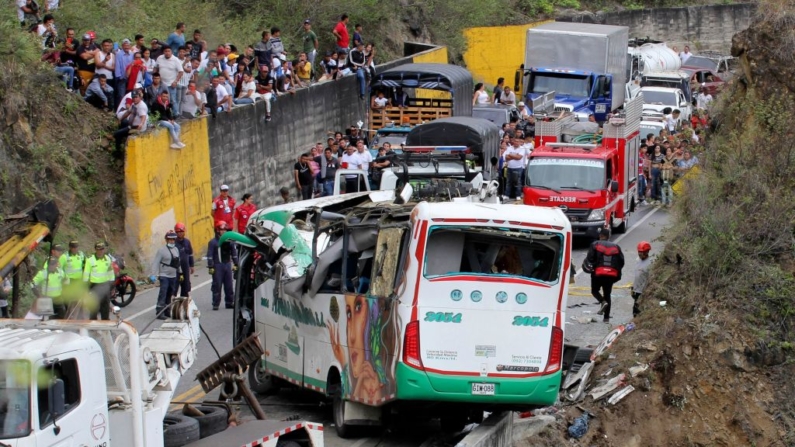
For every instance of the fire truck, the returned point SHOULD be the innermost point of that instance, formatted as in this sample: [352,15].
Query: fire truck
[594,184]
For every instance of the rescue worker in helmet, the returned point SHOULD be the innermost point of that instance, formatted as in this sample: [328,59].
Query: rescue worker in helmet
[222,262]
[604,262]
[641,275]
[186,258]
[167,267]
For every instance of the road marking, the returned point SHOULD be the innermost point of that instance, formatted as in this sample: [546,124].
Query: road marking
[631,229]
[360,442]
[149,309]
[187,394]
[193,395]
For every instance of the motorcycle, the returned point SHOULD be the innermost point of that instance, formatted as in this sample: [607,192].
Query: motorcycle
[123,291]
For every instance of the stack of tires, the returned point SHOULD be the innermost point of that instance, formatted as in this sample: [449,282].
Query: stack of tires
[179,429]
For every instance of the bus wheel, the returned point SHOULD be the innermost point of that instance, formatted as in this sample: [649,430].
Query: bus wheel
[338,408]
[260,381]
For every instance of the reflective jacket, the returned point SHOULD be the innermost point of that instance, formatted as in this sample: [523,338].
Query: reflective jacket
[50,284]
[98,271]
[72,265]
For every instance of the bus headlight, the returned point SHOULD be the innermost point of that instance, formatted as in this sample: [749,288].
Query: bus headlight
[598,214]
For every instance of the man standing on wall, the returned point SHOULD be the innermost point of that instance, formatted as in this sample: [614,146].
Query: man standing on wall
[310,42]
[343,38]
[223,208]
[186,259]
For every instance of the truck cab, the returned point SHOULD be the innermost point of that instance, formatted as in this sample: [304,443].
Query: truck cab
[594,185]
[669,79]
[658,99]
[580,92]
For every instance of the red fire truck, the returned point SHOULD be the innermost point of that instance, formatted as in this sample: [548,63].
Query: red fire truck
[594,185]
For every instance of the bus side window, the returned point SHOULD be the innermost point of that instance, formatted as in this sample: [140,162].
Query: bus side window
[386,262]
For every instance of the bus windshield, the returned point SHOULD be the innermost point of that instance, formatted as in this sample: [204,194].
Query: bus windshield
[565,85]
[14,398]
[566,173]
[491,251]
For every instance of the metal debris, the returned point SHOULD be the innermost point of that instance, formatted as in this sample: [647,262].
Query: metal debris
[635,370]
[620,395]
[603,390]
[582,377]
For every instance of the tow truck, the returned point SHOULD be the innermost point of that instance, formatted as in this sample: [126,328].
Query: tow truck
[102,383]
[594,184]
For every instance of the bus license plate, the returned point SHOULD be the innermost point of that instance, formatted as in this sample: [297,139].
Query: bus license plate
[483,389]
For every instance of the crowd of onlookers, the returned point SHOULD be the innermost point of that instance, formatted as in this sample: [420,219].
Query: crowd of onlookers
[181,77]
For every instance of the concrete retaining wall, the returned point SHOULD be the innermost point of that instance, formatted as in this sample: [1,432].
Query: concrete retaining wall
[495,431]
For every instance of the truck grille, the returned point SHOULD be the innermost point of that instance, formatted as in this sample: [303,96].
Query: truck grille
[562,108]
[577,215]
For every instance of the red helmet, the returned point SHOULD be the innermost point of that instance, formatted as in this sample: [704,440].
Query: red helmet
[644,246]
[179,226]
[221,225]
[170,234]
[92,34]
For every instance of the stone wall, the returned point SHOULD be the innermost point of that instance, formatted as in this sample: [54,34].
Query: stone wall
[702,27]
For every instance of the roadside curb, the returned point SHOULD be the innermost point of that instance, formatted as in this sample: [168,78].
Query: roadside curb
[495,431]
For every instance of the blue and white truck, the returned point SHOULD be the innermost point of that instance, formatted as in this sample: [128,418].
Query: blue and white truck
[584,64]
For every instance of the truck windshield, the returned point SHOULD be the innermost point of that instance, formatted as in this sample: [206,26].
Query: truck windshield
[14,398]
[561,84]
[491,251]
[566,173]
[656,97]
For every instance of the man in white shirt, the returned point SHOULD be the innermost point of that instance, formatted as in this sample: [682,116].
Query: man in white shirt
[365,160]
[222,96]
[515,158]
[351,160]
[171,71]
[132,119]
[685,55]
[193,102]
[508,97]
[703,99]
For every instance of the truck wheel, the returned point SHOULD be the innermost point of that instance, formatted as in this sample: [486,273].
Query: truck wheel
[260,381]
[214,420]
[621,229]
[344,430]
[179,430]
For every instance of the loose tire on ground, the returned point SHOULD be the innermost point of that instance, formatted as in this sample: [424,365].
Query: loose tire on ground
[179,430]
[214,420]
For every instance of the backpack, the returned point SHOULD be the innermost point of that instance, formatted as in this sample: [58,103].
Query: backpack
[610,265]
[147,79]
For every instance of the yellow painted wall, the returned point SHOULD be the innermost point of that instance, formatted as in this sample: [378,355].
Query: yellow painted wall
[496,51]
[437,56]
[165,186]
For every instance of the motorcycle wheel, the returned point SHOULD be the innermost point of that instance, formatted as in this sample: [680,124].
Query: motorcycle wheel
[125,293]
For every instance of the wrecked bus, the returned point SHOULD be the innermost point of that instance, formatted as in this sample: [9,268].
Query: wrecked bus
[451,308]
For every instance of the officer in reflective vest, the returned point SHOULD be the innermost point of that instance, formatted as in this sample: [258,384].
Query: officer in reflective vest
[49,283]
[72,262]
[98,272]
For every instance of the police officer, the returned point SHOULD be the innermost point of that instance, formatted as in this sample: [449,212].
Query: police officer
[222,261]
[641,275]
[72,263]
[167,267]
[185,257]
[604,262]
[49,283]
[98,272]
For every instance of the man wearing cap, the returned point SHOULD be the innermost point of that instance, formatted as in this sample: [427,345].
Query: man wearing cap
[223,208]
[186,259]
[85,62]
[124,57]
[49,283]
[72,263]
[167,267]
[98,272]
[310,41]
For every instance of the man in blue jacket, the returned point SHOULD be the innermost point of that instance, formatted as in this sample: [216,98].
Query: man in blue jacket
[222,262]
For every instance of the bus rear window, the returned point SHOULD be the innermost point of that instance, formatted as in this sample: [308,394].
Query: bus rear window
[490,251]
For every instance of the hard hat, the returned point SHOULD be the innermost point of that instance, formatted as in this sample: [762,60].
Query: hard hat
[92,34]
[170,234]
[179,226]
[644,246]
[221,225]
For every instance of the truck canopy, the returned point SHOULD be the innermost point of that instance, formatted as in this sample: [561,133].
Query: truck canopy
[445,77]
[480,135]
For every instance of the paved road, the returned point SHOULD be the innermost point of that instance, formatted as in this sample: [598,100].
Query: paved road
[647,225]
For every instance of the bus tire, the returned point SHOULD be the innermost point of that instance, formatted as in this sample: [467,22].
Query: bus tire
[179,430]
[344,430]
[260,381]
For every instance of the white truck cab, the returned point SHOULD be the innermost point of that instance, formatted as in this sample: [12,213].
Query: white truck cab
[658,98]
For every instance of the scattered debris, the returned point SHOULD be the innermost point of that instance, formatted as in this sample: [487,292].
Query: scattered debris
[663,303]
[580,426]
[545,410]
[635,370]
[584,319]
[615,398]
[605,389]
[607,341]
[645,385]
[648,346]
[582,377]
[630,327]
[608,372]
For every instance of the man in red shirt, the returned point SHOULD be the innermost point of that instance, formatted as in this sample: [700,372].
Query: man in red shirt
[244,212]
[223,207]
[341,33]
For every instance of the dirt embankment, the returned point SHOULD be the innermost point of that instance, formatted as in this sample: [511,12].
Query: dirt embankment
[720,352]
[53,145]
